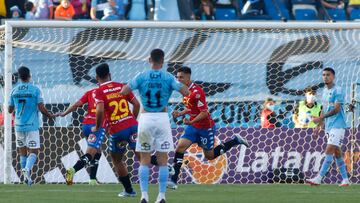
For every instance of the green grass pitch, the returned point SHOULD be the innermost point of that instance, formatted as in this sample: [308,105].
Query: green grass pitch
[242,193]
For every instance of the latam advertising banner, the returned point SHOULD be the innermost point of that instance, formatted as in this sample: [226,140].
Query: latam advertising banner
[270,150]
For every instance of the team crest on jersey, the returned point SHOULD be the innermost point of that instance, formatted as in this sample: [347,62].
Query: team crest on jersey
[197,96]
[92,138]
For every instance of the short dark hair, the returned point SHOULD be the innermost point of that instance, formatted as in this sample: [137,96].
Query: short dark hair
[29,6]
[24,73]
[102,71]
[330,70]
[184,69]
[157,55]
[310,90]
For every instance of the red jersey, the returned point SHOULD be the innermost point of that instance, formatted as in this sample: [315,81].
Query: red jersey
[196,103]
[90,116]
[117,112]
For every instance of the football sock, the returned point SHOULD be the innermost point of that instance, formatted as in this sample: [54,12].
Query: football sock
[163,175]
[326,165]
[125,180]
[23,161]
[94,164]
[30,161]
[85,159]
[178,161]
[342,167]
[144,178]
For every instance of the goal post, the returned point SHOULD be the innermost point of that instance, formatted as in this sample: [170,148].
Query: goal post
[239,64]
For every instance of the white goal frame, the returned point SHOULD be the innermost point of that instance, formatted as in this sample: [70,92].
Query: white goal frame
[9,25]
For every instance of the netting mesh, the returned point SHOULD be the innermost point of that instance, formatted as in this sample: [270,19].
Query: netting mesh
[238,69]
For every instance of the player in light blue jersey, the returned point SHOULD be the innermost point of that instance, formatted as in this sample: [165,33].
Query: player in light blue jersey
[333,115]
[26,101]
[154,133]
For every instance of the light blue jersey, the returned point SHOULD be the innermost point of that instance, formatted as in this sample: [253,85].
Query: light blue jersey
[329,98]
[25,98]
[155,88]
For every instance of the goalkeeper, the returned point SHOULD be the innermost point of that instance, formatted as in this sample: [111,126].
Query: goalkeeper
[306,109]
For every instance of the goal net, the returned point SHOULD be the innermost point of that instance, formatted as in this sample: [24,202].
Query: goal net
[239,65]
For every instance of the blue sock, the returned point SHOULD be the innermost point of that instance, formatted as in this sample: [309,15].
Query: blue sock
[23,161]
[30,161]
[342,167]
[144,178]
[326,164]
[163,175]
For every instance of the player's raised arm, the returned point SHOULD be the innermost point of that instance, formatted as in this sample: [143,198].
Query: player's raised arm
[71,108]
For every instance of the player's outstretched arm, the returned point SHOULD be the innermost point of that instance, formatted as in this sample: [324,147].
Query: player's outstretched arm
[44,111]
[176,113]
[136,106]
[70,109]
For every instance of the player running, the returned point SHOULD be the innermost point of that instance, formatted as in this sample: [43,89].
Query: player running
[200,129]
[94,140]
[155,87]
[333,115]
[26,100]
[113,107]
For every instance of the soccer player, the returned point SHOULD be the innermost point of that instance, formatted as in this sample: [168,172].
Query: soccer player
[26,100]
[201,127]
[113,107]
[154,134]
[94,140]
[333,115]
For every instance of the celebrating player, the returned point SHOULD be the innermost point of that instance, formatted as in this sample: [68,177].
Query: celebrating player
[113,107]
[200,129]
[333,115]
[26,101]
[155,87]
[94,140]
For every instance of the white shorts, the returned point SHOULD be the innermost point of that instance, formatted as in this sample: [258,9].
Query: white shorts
[30,139]
[154,133]
[335,136]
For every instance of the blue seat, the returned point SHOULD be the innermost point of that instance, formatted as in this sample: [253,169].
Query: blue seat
[305,14]
[225,13]
[355,14]
[337,14]
[273,11]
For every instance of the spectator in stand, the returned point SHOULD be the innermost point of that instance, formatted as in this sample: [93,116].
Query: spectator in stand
[268,115]
[65,11]
[109,14]
[186,9]
[81,8]
[353,4]
[30,11]
[98,7]
[305,110]
[333,4]
[204,10]
[137,9]
[44,9]
[15,12]
[5,6]
[166,10]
